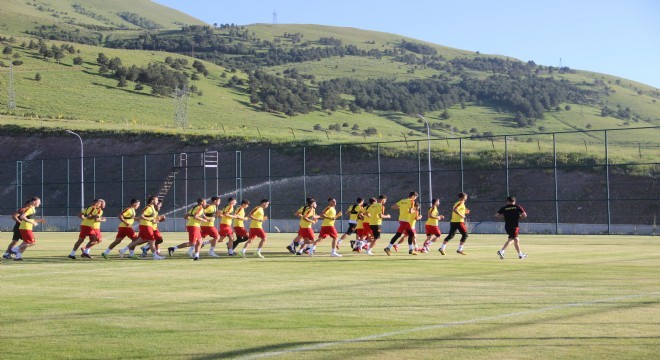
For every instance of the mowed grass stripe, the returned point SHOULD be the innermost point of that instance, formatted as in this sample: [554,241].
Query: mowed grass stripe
[229,308]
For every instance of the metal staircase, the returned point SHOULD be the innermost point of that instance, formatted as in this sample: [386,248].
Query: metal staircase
[168,182]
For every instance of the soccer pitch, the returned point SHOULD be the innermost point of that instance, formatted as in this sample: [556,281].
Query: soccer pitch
[574,297]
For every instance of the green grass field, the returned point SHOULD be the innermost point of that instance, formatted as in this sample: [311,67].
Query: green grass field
[574,297]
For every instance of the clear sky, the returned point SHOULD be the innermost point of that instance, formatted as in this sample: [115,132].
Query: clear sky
[617,37]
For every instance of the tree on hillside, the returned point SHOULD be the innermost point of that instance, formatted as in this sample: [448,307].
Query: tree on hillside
[37,77]
[7,50]
[77,60]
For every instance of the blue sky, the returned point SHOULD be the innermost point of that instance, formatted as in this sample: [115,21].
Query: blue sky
[616,37]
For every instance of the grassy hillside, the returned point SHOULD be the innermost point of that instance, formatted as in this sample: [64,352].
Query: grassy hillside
[82,97]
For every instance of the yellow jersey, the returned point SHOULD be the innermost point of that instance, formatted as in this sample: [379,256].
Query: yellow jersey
[329,216]
[150,213]
[459,207]
[196,211]
[97,223]
[404,209]
[433,211]
[154,224]
[354,211]
[29,213]
[226,220]
[129,216]
[309,213]
[375,211]
[257,213]
[412,218]
[240,212]
[209,212]
[90,211]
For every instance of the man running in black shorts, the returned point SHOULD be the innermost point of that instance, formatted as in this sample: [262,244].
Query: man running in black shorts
[512,214]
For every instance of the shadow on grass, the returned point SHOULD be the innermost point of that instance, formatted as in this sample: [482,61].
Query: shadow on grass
[134,92]
[255,350]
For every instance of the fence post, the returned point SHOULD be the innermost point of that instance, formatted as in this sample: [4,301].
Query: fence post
[68,184]
[122,181]
[239,175]
[341,190]
[305,172]
[460,147]
[43,201]
[378,158]
[506,162]
[145,174]
[174,193]
[419,170]
[94,176]
[607,185]
[19,184]
[270,192]
[554,154]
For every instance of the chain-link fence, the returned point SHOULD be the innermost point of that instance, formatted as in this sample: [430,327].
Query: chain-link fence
[601,181]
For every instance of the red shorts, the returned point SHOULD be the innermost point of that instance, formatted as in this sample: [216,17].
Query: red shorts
[240,231]
[97,233]
[194,233]
[404,227]
[359,232]
[433,230]
[512,232]
[328,231]
[306,233]
[146,232]
[209,231]
[85,231]
[225,230]
[157,235]
[366,229]
[27,236]
[260,233]
[128,232]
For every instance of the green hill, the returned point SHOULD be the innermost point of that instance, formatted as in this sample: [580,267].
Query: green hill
[283,83]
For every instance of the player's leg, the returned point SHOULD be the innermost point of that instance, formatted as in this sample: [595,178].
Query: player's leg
[462,228]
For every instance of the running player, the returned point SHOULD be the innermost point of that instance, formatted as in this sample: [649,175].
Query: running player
[258,217]
[432,228]
[158,237]
[376,216]
[458,214]
[329,215]
[512,214]
[146,233]
[16,237]
[297,240]
[195,218]
[363,229]
[412,239]
[96,229]
[86,230]
[125,228]
[305,230]
[27,223]
[226,230]
[208,227]
[353,212]
[239,227]
[405,207]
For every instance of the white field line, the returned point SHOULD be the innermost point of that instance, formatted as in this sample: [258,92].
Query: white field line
[440,326]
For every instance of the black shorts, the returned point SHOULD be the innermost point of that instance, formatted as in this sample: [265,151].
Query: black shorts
[375,229]
[512,232]
[17,233]
[351,229]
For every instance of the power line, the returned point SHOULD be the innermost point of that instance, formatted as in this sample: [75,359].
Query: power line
[274,18]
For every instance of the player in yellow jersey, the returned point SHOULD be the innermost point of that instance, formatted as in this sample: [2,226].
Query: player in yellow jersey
[146,234]
[125,229]
[28,221]
[226,230]
[376,216]
[258,216]
[96,228]
[305,230]
[432,227]
[405,207]
[414,216]
[353,213]
[15,230]
[458,214]
[208,227]
[329,215]
[195,217]
[298,240]
[158,237]
[363,229]
[239,227]
[87,216]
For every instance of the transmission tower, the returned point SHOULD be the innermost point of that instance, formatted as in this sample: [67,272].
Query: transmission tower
[274,18]
[11,103]
[181,97]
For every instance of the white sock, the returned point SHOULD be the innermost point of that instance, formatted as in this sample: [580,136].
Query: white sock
[73,252]
[19,255]
[314,248]
[258,250]
[443,246]
[206,242]
[86,251]
[520,254]
[502,251]
[460,247]
[130,253]
[196,254]
[212,249]
[339,241]
[107,251]
[389,246]
[122,249]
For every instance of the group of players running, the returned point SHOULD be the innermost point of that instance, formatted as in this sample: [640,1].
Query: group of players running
[365,220]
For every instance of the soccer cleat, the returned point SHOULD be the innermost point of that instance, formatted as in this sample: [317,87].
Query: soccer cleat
[158,257]
[145,250]
[461,252]
[191,252]
[522,256]
[425,249]
[442,251]
[105,256]
[412,252]
[195,258]
[18,259]
[231,254]
[353,244]
[242,254]
[213,254]
[388,251]
[6,256]
[121,253]
[170,250]
[72,257]
[369,252]
[291,250]
[310,253]
[86,255]
[396,247]
[261,256]
[335,255]
[500,254]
